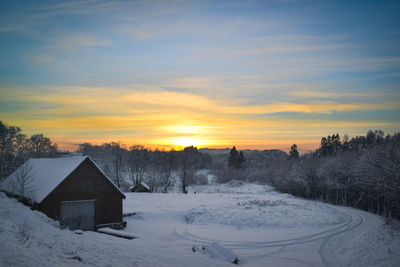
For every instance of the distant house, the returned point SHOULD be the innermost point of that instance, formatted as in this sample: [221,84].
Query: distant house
[72,190]
[141,188]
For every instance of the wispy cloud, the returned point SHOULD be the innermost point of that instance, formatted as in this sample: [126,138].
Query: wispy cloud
[39,59]
[67,5]
[11,27]
[79,40]
[157,117]
[280,49]
[188,27]
[329,95]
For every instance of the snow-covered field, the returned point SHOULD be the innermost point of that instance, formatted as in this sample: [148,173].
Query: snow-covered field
[213,227]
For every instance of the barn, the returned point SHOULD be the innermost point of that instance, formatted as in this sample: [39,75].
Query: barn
[72,190]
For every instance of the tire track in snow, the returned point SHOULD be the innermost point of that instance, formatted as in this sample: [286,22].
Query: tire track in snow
[322,249]
[353,220]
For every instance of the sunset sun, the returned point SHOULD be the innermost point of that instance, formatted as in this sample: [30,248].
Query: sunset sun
[181,142]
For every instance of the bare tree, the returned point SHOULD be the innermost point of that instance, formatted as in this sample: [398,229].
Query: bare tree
[23,181]
[39,145]
[154,170]
[117,151]
[185,169]
[190,160]
[87,149]
[138,162]
[168,162]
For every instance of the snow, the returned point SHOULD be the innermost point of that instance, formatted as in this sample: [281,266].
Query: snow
[218,251]
[29,238]
[116,233]
[78,232]
[234,187]
[46,174]
[145,185]
[210,228]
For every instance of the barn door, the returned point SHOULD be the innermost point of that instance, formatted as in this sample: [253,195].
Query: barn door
[78,214]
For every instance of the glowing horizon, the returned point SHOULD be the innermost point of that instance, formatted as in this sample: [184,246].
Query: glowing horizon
[254,74]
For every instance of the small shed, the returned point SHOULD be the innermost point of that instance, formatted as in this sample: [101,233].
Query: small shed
[142,187]
[72,190]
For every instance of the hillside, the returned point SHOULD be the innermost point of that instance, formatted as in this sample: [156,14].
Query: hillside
[252,222]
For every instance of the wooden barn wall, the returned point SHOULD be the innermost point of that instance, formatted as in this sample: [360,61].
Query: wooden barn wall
[86,182]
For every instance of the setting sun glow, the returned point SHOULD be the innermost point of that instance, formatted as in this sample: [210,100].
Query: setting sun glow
[182,142]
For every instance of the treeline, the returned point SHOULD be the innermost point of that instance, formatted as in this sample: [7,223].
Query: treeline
[362,172]
[166,171]
[160,169]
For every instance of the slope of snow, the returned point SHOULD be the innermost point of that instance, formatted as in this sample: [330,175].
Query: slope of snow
[263,227]
[234,187]
[251,222]
[29,238]
[236,210]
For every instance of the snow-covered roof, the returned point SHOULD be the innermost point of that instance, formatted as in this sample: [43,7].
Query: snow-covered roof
[145,185]
[44,176]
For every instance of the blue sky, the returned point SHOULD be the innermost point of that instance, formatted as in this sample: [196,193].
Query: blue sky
[258,74]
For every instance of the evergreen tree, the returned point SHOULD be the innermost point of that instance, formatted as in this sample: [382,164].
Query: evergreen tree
[236,159]
[241,161]
[330,145]
[293,153]
[233,155]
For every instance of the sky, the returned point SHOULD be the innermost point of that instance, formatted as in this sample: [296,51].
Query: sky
[255,74]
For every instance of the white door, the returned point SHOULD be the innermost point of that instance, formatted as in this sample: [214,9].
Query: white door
[78,214]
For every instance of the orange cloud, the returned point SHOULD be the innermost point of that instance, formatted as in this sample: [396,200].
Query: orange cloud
[155,117]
